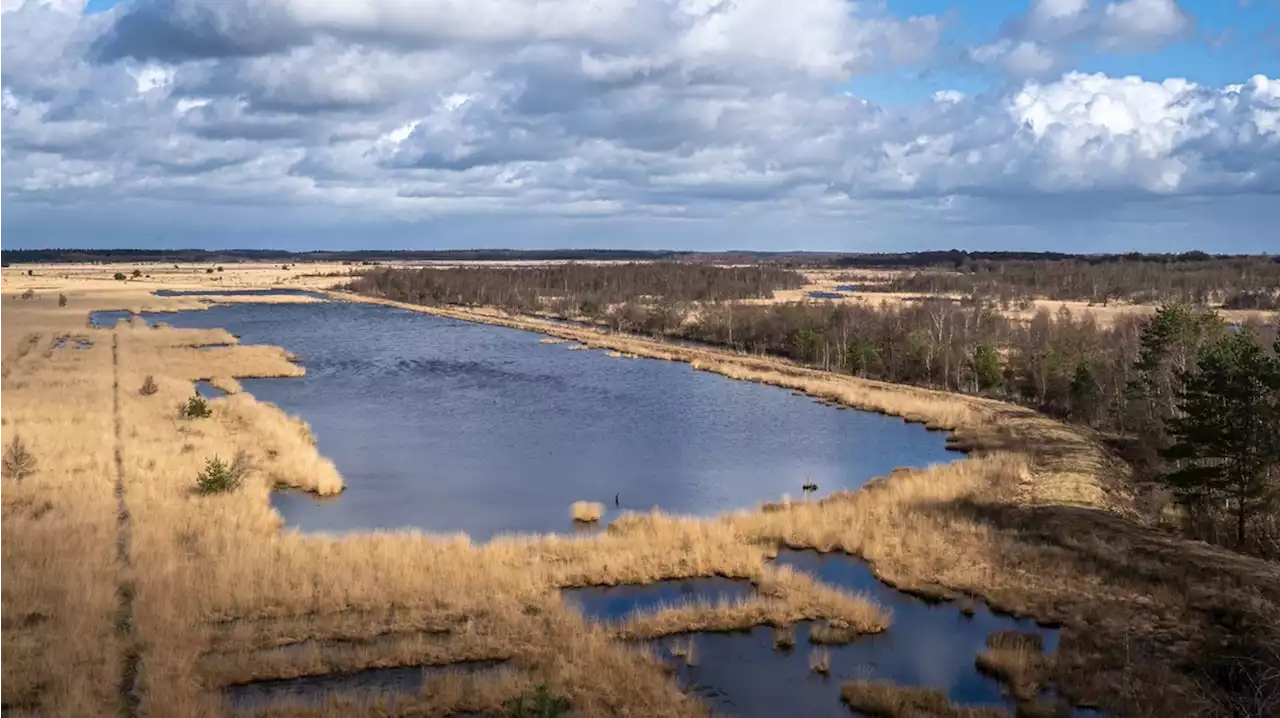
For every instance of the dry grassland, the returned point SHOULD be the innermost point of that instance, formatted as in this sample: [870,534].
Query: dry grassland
[1039,521]
[210,592]
[827,281]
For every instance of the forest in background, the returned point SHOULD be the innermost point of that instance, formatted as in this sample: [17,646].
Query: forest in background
[1233,282]
[1131,379]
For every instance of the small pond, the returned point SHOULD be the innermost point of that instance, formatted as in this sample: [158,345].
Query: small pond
[374,683]
[741,674]
[450,426]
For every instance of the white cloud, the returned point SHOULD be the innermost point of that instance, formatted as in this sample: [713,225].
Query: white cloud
[1040,42]
[1133,24]
[701,109]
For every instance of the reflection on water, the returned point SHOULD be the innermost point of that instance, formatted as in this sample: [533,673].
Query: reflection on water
[209,391]
[615,603]
[452,426]
[740,673]
[375,683]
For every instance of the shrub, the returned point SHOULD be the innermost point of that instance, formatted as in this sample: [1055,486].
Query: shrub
[586,511]
[62,300]
[137,273]
[196,408]
[219,269]
[19,462]
[149,387]
[119,277]
[29,294]
[209,270]
[220,477]
[542,703]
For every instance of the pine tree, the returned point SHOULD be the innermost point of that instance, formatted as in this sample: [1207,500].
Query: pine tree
[988,374]
[1226,438]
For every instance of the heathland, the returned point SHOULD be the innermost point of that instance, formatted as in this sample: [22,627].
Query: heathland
[132,591]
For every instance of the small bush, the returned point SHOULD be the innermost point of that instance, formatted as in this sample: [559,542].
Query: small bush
[209,270]
[62,300]
[19,462]
[542,703]
[119,277]
[586,511]
[29,294]
[137,273]
[220,477]
[219,269]
[196,408]
[149,386]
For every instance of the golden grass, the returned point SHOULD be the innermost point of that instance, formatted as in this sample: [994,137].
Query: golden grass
[886,700]
[1018,661]
[1035,521]
[586,511]
[782,597]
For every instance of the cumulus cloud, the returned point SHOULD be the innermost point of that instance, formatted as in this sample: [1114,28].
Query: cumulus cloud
[666,110]
[1042,41]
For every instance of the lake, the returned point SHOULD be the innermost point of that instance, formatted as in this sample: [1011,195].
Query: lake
[448,426]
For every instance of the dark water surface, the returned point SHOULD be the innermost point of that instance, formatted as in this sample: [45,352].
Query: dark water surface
[741,674]
[448,426]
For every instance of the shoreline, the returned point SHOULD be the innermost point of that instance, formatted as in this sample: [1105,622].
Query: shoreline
[1033,522]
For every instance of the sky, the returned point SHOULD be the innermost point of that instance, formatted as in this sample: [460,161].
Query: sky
[826,125]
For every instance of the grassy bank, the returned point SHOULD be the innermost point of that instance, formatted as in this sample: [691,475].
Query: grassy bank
[1034,521]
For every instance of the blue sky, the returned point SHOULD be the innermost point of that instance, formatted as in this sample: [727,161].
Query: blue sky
[1095,125]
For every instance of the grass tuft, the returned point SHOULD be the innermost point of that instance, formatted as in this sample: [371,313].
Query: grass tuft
[882,699]
[542,703]
[586,511]
[784,638]
[820,661]
[148,386]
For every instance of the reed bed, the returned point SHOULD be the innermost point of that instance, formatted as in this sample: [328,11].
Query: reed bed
[1034,521]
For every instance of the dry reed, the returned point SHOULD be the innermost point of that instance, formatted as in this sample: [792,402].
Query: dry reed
[1034,521]
[586,511]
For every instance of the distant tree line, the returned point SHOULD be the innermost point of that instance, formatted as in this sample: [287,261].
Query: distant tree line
[573,289]
[19,256]
[1148,383]
[1236,282]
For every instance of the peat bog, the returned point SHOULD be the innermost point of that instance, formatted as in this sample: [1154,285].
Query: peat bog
[447,426]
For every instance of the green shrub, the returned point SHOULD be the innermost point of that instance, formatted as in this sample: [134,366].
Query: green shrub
[541,704]
[196,408]
[220,477]
[120,277]
[19,462]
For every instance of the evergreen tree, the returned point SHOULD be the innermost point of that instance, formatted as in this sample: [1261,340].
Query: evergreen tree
[987,371]
[1226,438]
[1167,352]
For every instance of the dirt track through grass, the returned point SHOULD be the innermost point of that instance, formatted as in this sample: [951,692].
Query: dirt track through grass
[130,691]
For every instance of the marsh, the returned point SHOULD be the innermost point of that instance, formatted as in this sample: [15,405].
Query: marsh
[446,426]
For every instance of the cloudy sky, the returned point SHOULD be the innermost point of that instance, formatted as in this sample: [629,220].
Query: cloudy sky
[1073,125]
